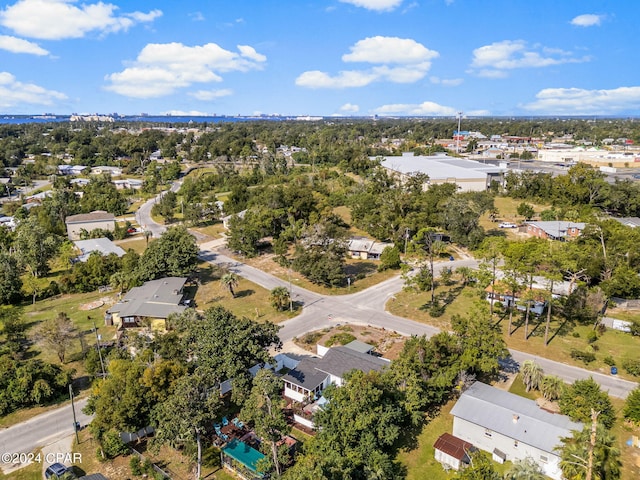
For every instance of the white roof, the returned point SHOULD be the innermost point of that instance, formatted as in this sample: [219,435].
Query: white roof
[103,245]
[440,167]
[513,416]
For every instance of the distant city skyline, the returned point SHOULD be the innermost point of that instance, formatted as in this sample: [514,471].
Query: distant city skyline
[320,57]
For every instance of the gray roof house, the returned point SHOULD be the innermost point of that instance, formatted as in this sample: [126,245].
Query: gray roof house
[304,383]
[103,246]
[511,427]
[153,302]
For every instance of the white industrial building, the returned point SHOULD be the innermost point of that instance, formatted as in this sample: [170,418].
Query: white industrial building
[469,175]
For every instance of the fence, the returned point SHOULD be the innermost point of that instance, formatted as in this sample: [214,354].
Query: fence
[166,472]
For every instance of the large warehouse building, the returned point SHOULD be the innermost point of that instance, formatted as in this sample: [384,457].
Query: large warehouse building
[469,175]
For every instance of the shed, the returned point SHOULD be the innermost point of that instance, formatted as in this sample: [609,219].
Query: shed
[452,452]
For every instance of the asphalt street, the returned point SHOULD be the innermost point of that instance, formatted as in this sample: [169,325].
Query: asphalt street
[42,430]
[368,308]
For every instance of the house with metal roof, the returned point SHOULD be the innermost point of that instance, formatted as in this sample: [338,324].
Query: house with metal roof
[365,248]
[511,427]
[468,175]
[555,230]
[103,246]
[150,304]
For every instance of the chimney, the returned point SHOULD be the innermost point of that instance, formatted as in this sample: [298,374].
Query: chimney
[516,417]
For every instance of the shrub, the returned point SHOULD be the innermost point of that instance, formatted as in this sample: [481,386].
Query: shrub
[608,360]
[632,366]
[575,334]
[436,309]
[112,444]
[586,357]
[340,338]
[135,466]
[592,336]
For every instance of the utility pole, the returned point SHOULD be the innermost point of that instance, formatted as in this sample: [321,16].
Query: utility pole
[458,136]
[73,408]
[95,329]
[406,239]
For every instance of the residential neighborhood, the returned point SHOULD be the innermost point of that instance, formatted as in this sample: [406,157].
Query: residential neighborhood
[214,309]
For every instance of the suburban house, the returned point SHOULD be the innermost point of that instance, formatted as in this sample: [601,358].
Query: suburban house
[113,171]
[631,222]
[98,219]
[103,246]
[305,382]
[555,230]
[452,452]
[502,294]
[365,248]
[468,175]
[511,427]
[227,219]
[149,305]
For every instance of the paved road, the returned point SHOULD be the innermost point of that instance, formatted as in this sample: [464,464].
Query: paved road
[368,308]
[42,430]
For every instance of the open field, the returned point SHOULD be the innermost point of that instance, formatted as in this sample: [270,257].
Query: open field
[251,300]
[564,337]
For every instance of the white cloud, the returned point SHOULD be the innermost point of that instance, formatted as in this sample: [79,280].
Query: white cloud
[424,108]
[376,5]
[397,60]
[58,19]
[478,113]
[349,108]
[492,61]
[161,69]
[446,82]
[387,50]
[578,101]
[346,79]
[587,20]
[14,93]
[208,95]
[197,16]
[18,45]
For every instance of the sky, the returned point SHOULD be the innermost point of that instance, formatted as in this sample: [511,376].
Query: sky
[321,57]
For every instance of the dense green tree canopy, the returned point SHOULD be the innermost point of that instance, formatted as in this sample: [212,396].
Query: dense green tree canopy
[175,254]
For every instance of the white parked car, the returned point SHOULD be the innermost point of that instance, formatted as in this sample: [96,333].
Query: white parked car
[508,225]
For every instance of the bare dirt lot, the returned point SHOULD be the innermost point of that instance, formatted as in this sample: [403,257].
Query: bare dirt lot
[385,342]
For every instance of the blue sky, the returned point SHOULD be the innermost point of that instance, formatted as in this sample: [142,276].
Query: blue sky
[321,57]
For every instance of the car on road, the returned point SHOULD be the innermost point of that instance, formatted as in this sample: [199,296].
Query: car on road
[508,225]
[55,470]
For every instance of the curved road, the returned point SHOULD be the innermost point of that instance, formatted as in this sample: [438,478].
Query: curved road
[368,307]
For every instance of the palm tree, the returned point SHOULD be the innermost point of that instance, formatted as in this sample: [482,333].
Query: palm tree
[526,469]
[465,275]
[230,281]
[574,455]
[551,387]
[531,374]
[279,298]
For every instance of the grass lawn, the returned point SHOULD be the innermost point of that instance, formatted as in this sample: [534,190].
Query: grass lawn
[137,243]
[251,300]
[564,337]
[214,230]
[508,212]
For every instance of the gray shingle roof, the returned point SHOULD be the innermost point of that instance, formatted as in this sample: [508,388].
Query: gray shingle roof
[513,416]
[340,360]
[157,298]
[359,346]
[557,229]
[306,374]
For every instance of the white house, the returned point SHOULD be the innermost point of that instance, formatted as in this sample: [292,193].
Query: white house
[511,427]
